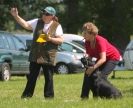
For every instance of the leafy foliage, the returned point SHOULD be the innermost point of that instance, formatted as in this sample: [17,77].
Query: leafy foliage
[113,17]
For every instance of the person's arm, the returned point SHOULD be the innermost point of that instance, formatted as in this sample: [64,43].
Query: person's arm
[102,47]
[21,21]
[101,60]
[56,40]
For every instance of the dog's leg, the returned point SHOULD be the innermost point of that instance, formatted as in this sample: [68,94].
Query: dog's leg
[86,86]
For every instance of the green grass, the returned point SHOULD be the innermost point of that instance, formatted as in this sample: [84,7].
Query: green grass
[67,93]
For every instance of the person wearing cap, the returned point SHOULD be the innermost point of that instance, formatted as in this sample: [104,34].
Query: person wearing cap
[47,35]
[106,56]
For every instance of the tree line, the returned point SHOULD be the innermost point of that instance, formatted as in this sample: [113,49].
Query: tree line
[113,17]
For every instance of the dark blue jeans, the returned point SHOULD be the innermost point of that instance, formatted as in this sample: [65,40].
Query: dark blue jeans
[106,69]
[48,71]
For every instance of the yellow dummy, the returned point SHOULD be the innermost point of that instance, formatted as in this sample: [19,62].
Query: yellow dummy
[42,38]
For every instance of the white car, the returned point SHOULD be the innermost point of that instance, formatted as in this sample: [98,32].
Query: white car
[72,37]
[128,56]
[76,39]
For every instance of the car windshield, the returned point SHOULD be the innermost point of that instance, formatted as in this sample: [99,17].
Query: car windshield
[79,43]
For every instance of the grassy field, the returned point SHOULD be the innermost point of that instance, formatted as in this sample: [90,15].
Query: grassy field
[67,93]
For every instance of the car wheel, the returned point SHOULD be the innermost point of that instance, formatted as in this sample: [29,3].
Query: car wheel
[5,72]
[62,68]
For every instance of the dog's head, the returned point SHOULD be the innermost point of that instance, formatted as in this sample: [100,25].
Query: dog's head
[87,62]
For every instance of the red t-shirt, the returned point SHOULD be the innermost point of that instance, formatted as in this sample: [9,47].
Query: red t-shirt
[102,45]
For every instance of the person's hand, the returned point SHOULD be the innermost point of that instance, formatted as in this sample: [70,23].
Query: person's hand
[14,12]
[89,70]
[48,37]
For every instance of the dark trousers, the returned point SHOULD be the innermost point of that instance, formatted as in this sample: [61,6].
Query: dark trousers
[31,83]
[106,69]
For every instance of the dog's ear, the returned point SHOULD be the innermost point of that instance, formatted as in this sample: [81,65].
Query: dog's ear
[86,61]
[83,60]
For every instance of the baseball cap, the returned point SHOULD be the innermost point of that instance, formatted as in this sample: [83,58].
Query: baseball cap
[49,10]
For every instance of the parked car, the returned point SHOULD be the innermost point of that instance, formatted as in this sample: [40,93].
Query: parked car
[13,56]
[67,58]
[72,37]
[128,56]
[76,39]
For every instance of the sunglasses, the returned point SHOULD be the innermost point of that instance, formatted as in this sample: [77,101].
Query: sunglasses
[46,13]
[86,32]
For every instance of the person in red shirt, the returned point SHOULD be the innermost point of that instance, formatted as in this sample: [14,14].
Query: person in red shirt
[106,55]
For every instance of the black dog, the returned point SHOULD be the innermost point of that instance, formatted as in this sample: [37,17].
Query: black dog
[101,87]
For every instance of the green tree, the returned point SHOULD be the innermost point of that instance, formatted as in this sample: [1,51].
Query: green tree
[116,21]
[113,17]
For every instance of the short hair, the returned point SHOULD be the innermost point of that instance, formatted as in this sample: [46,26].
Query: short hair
[91,28]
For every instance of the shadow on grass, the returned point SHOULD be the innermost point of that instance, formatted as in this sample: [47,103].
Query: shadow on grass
[18,78]
[121,78]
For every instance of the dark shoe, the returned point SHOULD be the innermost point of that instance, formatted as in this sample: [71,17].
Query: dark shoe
[49,97]
[84,97]
[25,97]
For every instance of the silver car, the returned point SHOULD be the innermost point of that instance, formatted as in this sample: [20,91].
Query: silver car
[67,58]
